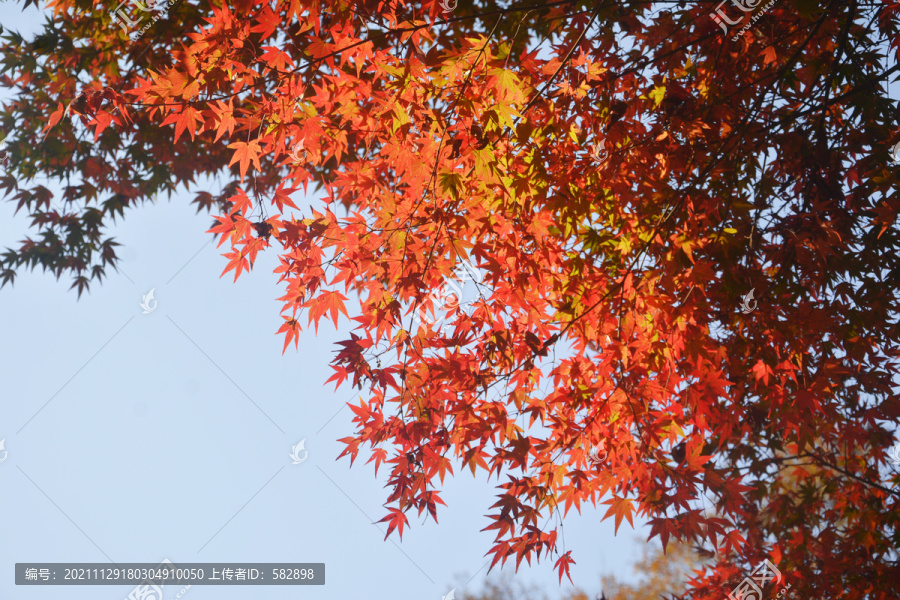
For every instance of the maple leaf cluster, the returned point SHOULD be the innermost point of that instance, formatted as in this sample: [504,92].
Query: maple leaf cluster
[621,173]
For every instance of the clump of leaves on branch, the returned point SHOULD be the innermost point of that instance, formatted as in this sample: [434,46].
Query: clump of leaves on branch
[608,312]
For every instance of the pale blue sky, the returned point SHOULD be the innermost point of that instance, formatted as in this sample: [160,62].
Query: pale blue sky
[137,437]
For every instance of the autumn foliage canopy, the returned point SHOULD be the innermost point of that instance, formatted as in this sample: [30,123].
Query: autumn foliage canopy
[686,244]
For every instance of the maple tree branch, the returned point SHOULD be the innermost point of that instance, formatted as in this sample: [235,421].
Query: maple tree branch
[672,191]
[721,155]
[845,34]
[708,168]
[562,63]
[851,92]
[394,31]
[441,222]
[868,482]
[465,84]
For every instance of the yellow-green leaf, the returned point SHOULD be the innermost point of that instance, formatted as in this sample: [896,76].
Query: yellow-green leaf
[657,95]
